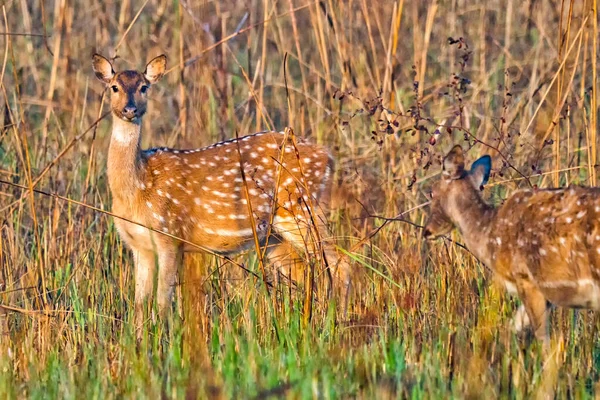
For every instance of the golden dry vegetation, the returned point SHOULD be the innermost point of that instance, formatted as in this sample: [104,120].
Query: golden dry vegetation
[389,86]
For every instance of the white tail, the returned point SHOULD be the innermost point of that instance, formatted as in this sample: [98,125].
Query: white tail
[543,244]
[205,195]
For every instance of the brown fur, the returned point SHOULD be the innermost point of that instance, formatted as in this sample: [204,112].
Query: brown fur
[200,195]
[543,244]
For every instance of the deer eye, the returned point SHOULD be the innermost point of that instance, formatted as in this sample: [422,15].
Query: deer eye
[144,89]
[114,88]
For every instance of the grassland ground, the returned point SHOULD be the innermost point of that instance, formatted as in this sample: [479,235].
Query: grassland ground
[389,87]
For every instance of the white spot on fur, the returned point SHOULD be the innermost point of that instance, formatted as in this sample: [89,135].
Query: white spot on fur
[263,208]
[220,194]
[229,233]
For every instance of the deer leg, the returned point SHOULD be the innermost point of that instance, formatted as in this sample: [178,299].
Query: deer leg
[520,320]
[298,232]
[537,309]
[337,263]
[144,267]
[284,259]
[169,257]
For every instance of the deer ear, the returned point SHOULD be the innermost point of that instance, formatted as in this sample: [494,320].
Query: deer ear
[102,68]
[156,68]
[480,171]
[454,164]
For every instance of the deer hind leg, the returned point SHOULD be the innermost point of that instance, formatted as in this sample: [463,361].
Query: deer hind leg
[520,320]
[144,268]
[284,260]
[169,259]
[305,235]
[536,307]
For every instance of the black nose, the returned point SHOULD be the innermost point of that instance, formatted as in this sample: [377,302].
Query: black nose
[129,111]
[426,233]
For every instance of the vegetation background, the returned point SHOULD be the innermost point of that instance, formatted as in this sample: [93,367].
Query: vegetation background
[389,86]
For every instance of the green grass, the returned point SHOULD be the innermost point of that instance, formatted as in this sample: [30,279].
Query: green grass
[424,319]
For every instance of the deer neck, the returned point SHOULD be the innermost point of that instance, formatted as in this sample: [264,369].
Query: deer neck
[125,165]
[474,218]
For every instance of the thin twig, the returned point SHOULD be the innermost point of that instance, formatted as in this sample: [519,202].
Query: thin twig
[23,34]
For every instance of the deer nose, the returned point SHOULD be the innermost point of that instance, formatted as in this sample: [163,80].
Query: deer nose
[129,111]
[426,233]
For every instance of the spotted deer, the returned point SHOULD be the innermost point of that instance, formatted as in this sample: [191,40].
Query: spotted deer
[543,244]
[204,196]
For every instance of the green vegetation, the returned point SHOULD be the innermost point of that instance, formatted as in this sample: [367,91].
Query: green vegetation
[389,87]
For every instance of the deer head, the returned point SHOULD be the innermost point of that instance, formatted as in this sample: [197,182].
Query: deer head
[129,89]
[457,191]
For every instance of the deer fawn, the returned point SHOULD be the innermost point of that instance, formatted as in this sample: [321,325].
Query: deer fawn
[201,196]
[544,245]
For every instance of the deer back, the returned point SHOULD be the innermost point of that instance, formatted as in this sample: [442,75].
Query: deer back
[203,196]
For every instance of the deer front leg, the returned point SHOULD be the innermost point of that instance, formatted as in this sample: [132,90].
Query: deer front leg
[537,309]
[168,262]
[144,267]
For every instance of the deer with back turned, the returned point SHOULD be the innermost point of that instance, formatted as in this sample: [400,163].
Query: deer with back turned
[543,244]
[204,196]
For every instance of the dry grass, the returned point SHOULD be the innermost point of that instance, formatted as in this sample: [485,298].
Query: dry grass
[383,86]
